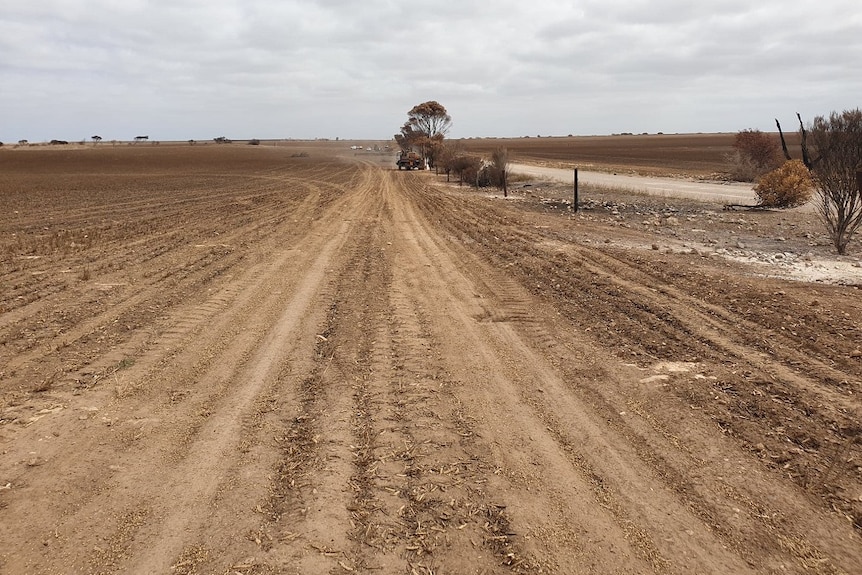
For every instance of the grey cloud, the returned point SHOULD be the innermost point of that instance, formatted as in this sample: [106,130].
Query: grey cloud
[313,68]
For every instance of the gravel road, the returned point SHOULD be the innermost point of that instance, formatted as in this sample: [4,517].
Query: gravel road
[685,188]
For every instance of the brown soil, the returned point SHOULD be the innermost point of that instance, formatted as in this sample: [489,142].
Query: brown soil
[234,359]
[688,155]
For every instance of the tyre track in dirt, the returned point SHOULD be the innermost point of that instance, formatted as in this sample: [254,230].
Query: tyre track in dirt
[845,550]
[127,301]
[724,337]
[416,483]
[129,246]
[386,382]
[188,414]
[710,520]
[291,394]
[636,525]
[219,434]
[421,501]
[288,414]
[718,328]
[103,226]
[310,506]
[775,368]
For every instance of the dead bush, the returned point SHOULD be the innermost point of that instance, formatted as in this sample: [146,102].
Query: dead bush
[467,168]
[788,186]
[740,168]
[837,168]
[499,169]
[755,153]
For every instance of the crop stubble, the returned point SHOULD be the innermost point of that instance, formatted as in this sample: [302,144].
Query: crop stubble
[226,359]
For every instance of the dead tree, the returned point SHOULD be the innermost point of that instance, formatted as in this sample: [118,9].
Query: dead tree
[500,164]
[806,157]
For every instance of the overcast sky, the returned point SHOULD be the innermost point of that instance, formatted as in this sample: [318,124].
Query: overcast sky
[181,69]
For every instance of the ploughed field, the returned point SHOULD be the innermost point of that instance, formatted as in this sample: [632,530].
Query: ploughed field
[697,155]
[241,359]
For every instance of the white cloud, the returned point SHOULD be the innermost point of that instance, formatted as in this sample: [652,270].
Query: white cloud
[180,69]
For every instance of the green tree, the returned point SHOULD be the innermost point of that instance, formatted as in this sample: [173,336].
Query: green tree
[837,143]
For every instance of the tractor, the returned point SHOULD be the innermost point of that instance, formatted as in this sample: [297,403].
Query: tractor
[409,161]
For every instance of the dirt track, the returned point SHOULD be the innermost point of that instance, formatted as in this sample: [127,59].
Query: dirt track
[230,360]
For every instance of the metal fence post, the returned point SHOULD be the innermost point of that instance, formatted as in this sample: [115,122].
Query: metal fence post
[575,203]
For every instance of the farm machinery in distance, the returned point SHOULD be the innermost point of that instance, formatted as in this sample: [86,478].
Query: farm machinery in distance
[409,161]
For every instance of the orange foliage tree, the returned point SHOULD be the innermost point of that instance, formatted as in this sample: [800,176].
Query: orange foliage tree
[426,127]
